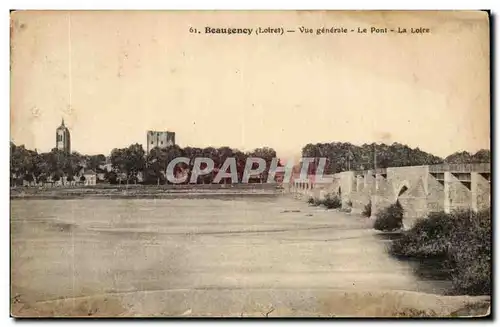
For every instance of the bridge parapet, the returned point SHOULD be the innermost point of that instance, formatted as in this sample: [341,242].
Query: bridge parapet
[461,168]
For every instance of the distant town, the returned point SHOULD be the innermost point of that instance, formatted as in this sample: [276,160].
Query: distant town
[132,165]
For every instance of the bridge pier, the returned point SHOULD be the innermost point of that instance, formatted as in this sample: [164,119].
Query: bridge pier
[480,189]
[457,195]
[383,194]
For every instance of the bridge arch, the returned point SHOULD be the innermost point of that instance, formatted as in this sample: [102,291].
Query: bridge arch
[402,189]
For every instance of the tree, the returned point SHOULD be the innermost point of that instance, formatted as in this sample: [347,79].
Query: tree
[346,156]
[464,157]
[24,164]
[20,163]
[267,154]
[111,177]
[169,154]
[42,179]
[58,164]
[42,170]
[241,159]
[222,154]
[15,163]
[155,166]
[56,176]
[129,161]
[94,162]
[459,158]
[482,156]
[73,164]
[211,153]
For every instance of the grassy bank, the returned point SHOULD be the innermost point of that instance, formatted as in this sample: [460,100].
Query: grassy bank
[462,239]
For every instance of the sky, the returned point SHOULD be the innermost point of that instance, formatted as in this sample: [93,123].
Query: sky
[114,75]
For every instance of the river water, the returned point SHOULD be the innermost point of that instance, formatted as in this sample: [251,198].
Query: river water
[87,247]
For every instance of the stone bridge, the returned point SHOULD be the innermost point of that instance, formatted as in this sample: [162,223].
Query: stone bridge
[419,189]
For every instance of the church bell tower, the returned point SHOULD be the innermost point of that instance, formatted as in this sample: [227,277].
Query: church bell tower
[63,141]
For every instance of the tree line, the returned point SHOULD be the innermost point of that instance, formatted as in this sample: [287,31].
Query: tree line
[346,156]
[39,168]
[126,165]
[129,163]
[133,160]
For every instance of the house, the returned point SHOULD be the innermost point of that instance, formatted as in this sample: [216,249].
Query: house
[89,177]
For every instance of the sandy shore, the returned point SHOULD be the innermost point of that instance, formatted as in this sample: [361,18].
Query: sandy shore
[258,303]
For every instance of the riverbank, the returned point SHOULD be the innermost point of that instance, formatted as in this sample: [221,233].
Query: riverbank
[142,191]
[461,239]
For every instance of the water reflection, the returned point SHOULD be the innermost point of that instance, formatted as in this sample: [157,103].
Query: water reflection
[435,271]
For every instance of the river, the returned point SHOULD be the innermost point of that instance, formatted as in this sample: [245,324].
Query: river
[206,250]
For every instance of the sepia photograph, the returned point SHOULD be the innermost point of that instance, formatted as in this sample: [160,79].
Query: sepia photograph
[250,164]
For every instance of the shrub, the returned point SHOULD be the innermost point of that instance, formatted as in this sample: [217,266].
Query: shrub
[462,238]
[367,211]
[332,202]
[314,201]
[390,218]
[470,252]
[428,237]
[349,204]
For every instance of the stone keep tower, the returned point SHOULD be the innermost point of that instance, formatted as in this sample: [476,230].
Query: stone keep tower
[63,140]
[159,139]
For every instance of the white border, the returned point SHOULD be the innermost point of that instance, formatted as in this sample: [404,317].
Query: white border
[200,4]
[253,5]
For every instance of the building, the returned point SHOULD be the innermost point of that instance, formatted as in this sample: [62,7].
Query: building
[89,177]
[63,140]
[159,139]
